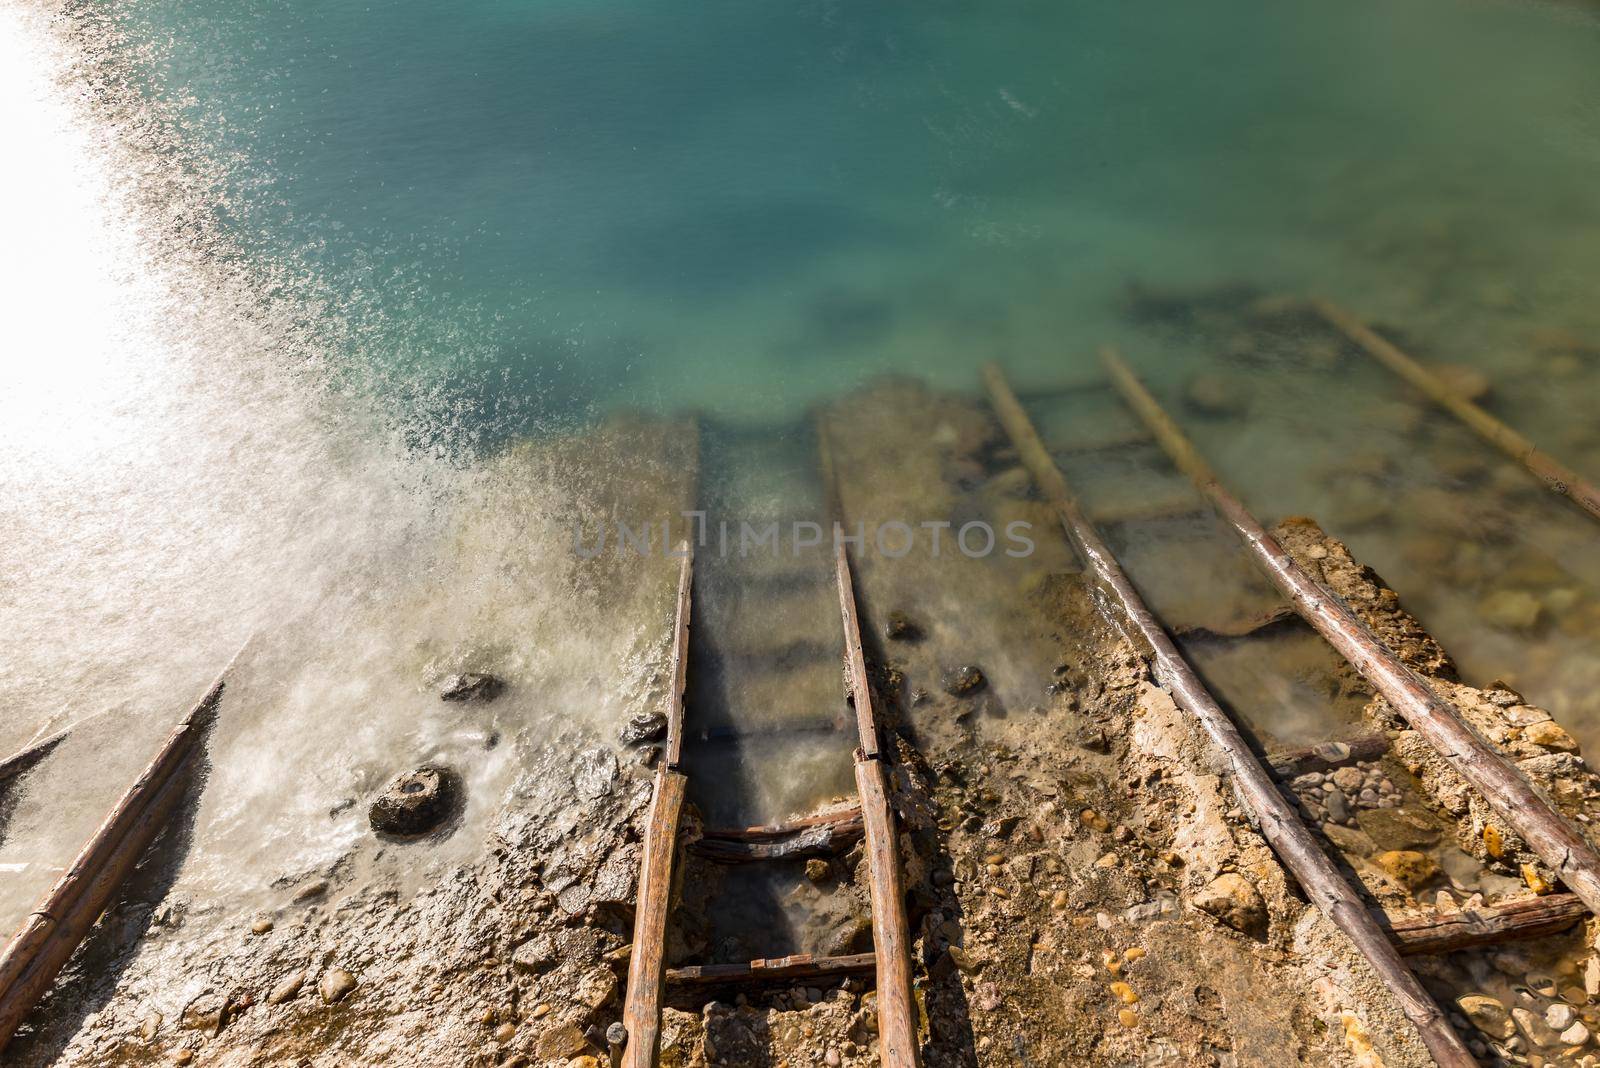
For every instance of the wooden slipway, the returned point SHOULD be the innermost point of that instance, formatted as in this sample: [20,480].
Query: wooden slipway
[871,819]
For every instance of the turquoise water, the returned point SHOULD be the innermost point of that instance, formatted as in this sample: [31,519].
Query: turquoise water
[533,209]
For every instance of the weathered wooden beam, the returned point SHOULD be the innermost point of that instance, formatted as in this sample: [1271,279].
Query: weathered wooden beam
[1242,628]
[29,755]
[1550,836]
[1554,474]
[680,657]
[1280,824]
[1325,756]
[1148,510]
[767,831]
[817,839]
[51,933]
[891,930]
[855,659]
[800,966]
[1508,921]
[891,937]
[641,1011]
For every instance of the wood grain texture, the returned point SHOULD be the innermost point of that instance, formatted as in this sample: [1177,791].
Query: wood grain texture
[641,1012]
[897,1014]
[800,966]
[855,659]
[1279,822]
[1551,837]
[812,838]
[1507,921]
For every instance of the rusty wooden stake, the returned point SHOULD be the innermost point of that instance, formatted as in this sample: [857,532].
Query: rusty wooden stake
[1554,474]
[1550,836]
[51,933]
[1280,824]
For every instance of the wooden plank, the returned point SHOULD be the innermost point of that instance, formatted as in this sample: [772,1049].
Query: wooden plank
[641,1012]
[852,810]
[29,755]
[800,966]
[680,656]
[1325,756]
[1274,813]
[1507,921]
[1548,834]
[855,659]
[51,933]
[1149,510]
[814,840]
[897,1017]
[1554,474]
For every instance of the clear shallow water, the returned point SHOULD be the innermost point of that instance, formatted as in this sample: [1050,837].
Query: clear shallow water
[288,276]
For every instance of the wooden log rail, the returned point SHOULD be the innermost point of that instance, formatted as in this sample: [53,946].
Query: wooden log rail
[1280,824]
[51,933]
[891,932]
[1551,837]
[827,835]
[641,1007]
[1508,921]
[1554,474]
[799,967]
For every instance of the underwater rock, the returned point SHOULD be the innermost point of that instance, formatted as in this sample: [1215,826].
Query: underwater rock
[1407,867]
[1234,900]
[1398,828]
[1218,395]
[1539,1033]
[644,727]
[902,628]
[1510,609]
[416,802]
[964,681]
[1487,1015]
[470,687]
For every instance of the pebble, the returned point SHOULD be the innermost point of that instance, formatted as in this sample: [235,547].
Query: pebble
[505,1032]
[1487,1015]
[1576,1035]
[1127,1017]
[1560,1016]
[832,1058]
[1407,867]
[288,989]
[261,927]
[183,1056]
[1124,993]
[335,985]
[1539,1033]
[470,687]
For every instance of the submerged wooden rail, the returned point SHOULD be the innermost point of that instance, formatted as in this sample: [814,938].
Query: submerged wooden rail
[800,966]
[812,837]
[1280,824]
[641,1007]
[51,933]
[1550,836]
[1508,921]
[891,937]
[1554,474]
